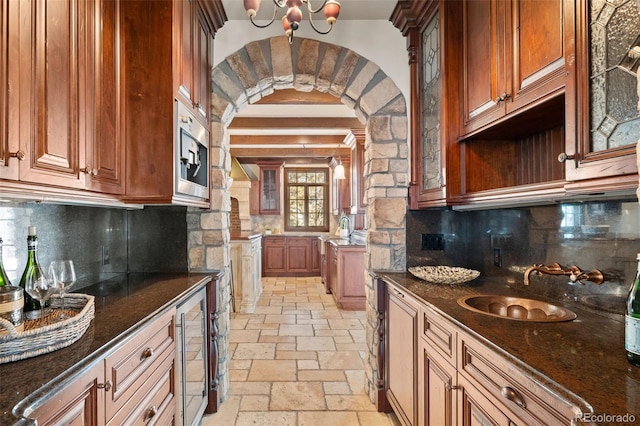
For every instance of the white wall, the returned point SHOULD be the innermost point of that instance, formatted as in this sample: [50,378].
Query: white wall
[378,41]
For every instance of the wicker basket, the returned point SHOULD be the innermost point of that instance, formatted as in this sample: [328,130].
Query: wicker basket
[47,335]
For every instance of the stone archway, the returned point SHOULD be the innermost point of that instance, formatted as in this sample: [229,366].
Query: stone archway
[256,71]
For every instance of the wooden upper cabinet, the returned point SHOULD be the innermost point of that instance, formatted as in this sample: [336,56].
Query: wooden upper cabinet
[270,177]
[194,52]
[104,148]
[160,53]
[52,37]
[9,99]
[507,64]
[185,10]
[203,51]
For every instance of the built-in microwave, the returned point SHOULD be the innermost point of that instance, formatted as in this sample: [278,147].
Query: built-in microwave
[191,155]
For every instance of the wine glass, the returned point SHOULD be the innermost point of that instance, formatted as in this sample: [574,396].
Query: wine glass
[64,276]
[41,288]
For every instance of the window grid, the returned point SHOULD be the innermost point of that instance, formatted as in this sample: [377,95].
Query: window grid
[307,192]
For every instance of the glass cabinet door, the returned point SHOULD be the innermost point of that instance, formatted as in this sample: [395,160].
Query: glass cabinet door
[270,187]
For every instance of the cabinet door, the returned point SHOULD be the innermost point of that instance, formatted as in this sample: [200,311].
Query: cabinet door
[298,256]
[538,63]
[53,36]
[104,148]
[606,112]
[437,382]
[274,259]
[315,254]
[184,19]
[203,57]
[332,268]
[476,409]
[9,78]
[402,326]
[483,70]
[270,188]
[80,403]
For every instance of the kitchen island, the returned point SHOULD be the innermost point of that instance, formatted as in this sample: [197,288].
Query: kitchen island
[122,305]
[581,361]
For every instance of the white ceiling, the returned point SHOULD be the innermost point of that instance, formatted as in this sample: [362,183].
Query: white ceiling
[349,9]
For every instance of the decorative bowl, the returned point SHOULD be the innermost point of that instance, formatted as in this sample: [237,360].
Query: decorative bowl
[444,274]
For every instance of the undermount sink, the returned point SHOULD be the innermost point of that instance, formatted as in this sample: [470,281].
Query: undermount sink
[516,308]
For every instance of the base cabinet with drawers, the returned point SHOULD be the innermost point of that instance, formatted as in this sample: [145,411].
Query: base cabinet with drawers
[134,384]
[436,374]
[159,372]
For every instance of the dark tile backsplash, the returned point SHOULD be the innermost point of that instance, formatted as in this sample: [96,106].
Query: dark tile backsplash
[153,239]
[594,235]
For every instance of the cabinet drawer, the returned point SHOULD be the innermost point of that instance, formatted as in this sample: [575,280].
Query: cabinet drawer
[154,401]
[275,241]
[439,334]
[511,387]
[129,366]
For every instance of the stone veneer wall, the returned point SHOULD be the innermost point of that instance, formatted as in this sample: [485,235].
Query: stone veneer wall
[256,71]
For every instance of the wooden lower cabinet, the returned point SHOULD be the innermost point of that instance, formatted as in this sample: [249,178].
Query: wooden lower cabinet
[288,256]
[402,332]
[437,403]
[345,275]
[135,384]
[79,403]
[435,374]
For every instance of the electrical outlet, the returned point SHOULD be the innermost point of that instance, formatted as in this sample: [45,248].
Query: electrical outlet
[432,242]
[497,257]
[106,256]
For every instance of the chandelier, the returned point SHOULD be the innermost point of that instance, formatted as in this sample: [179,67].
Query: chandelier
[291,20]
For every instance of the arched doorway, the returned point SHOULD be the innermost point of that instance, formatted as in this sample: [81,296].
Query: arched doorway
[256,71]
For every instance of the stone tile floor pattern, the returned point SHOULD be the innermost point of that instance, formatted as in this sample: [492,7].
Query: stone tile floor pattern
[297,361]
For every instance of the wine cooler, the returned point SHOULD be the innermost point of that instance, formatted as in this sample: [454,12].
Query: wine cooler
[192,360]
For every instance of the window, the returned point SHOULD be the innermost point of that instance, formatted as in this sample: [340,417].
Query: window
[307,200]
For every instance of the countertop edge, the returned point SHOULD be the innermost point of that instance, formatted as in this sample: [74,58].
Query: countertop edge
[545,381]
[34,400]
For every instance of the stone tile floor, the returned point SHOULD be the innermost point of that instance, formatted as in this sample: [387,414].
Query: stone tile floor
[297,361]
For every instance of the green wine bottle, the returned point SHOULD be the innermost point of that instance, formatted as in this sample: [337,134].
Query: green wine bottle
[632,321]
[4,280]
[32,271]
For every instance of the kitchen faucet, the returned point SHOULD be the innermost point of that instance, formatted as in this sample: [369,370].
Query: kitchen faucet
[574,273]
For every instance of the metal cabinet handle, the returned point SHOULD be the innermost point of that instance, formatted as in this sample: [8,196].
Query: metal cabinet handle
[502,97]
[151,412]
[449,387]
[20,155]
[512,395]
[563,156]
[106,386]
[147,353]
[88,170]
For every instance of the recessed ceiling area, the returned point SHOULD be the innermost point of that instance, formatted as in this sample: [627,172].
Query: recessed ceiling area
[309,127]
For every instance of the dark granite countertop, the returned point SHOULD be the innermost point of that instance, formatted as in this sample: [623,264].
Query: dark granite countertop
[122,305]
[341,242]
[583,360]
[245,236]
